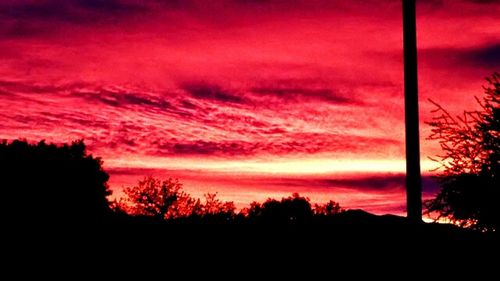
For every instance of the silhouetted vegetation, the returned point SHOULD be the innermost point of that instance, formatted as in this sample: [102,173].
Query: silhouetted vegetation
[53,184]
[160,199]
[165,199]
[291,210]
[469,178]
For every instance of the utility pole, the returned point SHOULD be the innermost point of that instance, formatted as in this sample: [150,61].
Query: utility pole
[413,177]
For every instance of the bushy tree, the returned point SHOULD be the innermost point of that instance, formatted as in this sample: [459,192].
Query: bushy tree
[154,197]
[291,210]
[48,183]
[469,178]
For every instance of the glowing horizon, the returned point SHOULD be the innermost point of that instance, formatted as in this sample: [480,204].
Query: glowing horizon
[283,166]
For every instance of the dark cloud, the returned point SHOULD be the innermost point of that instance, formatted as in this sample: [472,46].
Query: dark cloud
[375,182]
[187,104]
[202,147]
[303,94]
[280,142]
[485,1]
[488,56]
[73,11]
[485,56]
[442,2]
[109,5]
[139,172]
[363,182]
[206,91]
[20,29]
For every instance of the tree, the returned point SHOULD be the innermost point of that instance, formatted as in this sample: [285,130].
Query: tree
[157,198]
[290,210]
[48,183]
[165,199]
[469,178]
[328,209]
[213,206]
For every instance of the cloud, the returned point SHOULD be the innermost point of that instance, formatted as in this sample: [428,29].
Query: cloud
[375,182]
[124,98]
[485,1]
[50,18]
[302,94]
[371,182]
[274,144]
[205,121]
[73,11]
[13,86]
[202,147]
[201,90]
[488,56]
[483,56]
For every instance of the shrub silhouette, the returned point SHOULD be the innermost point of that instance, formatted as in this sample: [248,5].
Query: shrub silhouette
[469,178]
[53,184]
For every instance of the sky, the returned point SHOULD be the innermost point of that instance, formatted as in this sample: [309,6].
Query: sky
[247,98]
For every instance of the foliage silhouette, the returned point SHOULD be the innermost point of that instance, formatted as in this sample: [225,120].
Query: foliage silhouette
[165,199]
[470,164]
[154,197]
[330,208]
[47,183]
[291,210]
[214,207]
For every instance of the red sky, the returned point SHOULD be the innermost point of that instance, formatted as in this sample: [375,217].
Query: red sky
[250,98]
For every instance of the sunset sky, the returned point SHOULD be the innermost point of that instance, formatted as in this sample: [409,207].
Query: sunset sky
[249,98]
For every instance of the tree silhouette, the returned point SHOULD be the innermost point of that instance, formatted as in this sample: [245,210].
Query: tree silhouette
[47,183]
[290,210]
[165,199]
[328,209]
[213,206]
[470,164]
[157,198]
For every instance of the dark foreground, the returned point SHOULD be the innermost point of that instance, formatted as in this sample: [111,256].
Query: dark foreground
[352,227]
[353,242]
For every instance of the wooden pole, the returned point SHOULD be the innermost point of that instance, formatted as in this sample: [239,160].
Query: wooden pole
[413,177]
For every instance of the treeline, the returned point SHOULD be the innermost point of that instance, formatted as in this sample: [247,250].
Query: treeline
[166,200]
[48,187]
[64,184]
